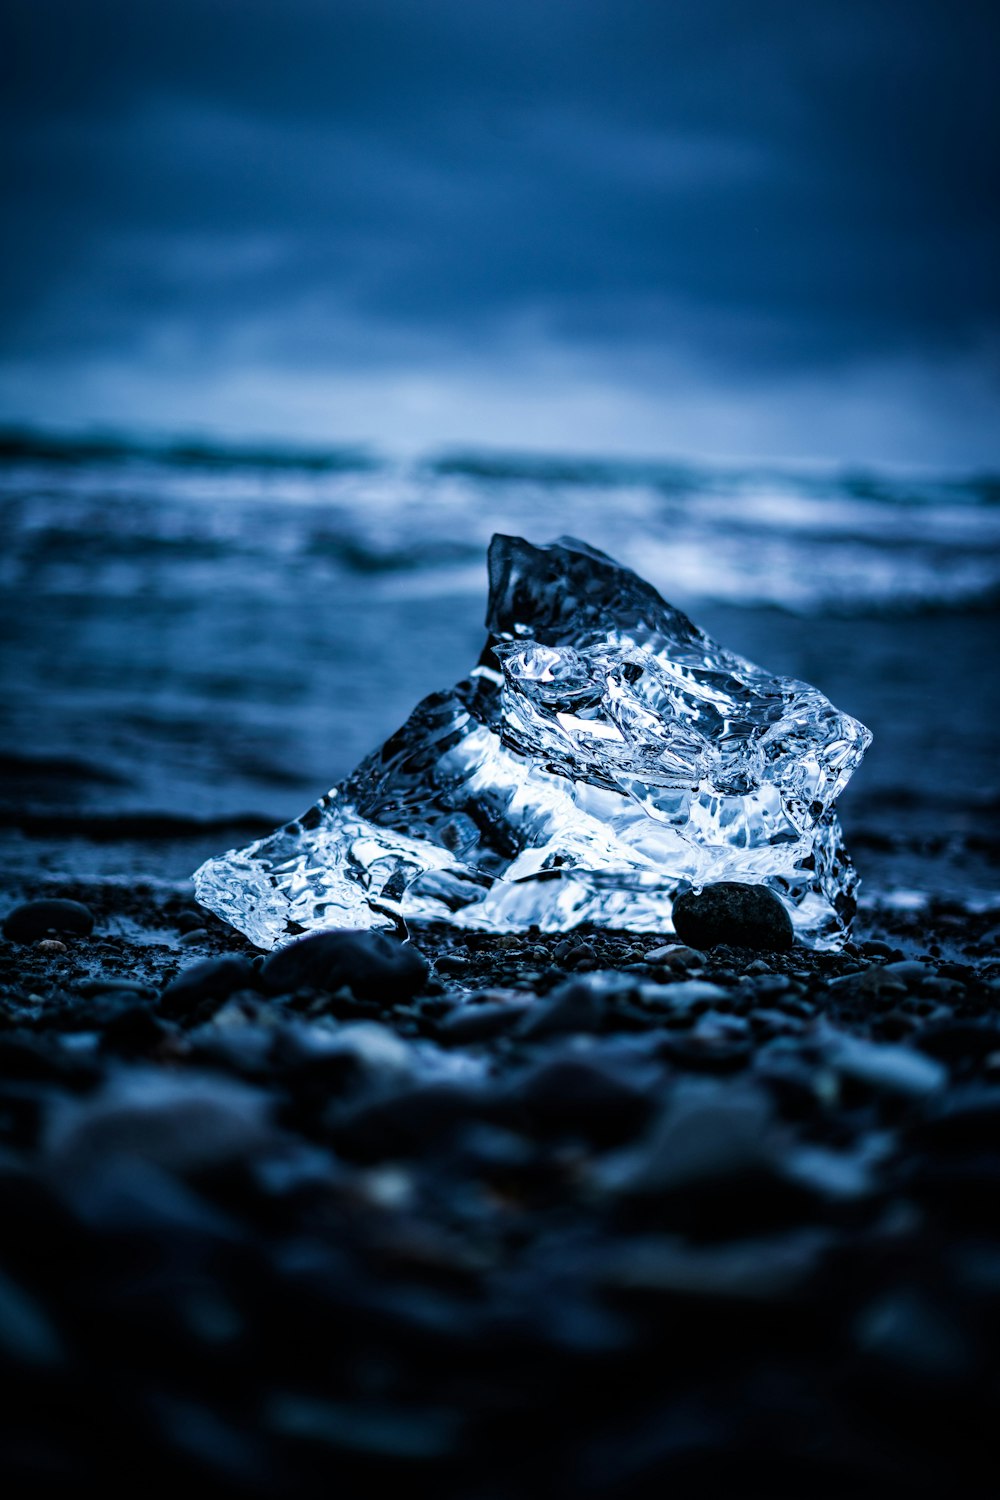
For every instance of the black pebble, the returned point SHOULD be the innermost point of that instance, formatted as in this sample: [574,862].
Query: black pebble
[966,1120]
[959,1041]
[214,979]
[133,1032]
[371,965]
[466,1025]
[35,919]
[572,1007]
[579,1096]
[744,916]
[409,1121]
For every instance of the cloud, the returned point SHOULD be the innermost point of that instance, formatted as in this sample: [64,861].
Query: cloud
[617,195]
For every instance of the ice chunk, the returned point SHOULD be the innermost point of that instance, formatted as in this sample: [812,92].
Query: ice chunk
[603,756]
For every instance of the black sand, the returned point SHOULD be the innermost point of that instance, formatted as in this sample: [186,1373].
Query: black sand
[587,1215]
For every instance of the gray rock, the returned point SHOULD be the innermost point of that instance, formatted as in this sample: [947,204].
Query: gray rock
[370,964]
[682,995]
[671,953]
[180,1123]
[409,1121]
[912,974]
[468,1024]
[213,979]
[36,919]
[104,985]
[130,1196]
[374,1052]
[745,916]
[772,1269]
[963,1120]
[957,1041]
[579,1096]
[885,1068]
[709,1134]
[573,1007]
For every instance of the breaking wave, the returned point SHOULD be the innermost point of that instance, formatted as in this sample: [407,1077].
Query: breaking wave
[118,513]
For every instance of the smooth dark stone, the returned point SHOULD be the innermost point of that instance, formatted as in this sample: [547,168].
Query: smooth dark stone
[494,1151]
[959,1188]
[715,1166]
[358,1055]
[743,916]
[189,919]
[36,919]
[885,1069]
[142,1200]
[915,1339]
[577,1325]
[144,1119]
[767,986]
[580,954]
[100,1012]
[793,1087]
[956,1041]
[451,963]
[706,1054]
[124,987]
[213,979]
[578,1097]
[408,1122]
[133,1032]
[966,1120]
[371,965]
[481,1023]
[703,1137]
[572,1007]
[648,1268]
[29,1056]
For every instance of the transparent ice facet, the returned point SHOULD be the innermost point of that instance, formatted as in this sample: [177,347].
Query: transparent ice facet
[603,756]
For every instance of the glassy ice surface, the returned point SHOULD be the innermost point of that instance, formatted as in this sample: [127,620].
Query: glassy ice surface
[603,756]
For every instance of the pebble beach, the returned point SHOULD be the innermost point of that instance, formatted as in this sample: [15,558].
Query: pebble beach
[487,1215]
[588,1213]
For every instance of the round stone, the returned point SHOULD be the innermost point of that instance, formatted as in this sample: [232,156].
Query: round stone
[372,965]
[744,916]
[38,919]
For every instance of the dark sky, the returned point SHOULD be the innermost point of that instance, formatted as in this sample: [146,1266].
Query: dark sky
[671,226]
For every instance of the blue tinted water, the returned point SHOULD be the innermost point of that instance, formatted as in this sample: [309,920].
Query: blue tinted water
[205,633]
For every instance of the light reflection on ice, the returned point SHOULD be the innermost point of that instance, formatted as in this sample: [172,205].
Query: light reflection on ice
[603,756]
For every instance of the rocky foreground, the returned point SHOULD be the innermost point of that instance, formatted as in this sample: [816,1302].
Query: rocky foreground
[579,1215]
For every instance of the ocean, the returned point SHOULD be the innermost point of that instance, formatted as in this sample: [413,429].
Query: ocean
[196,641]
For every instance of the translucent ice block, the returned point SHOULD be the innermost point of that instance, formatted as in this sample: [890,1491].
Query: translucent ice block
[603,756]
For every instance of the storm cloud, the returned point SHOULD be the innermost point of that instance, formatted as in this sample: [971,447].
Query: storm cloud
[341,212]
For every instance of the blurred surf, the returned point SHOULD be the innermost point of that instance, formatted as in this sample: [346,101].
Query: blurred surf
[211,632]
[104,512]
